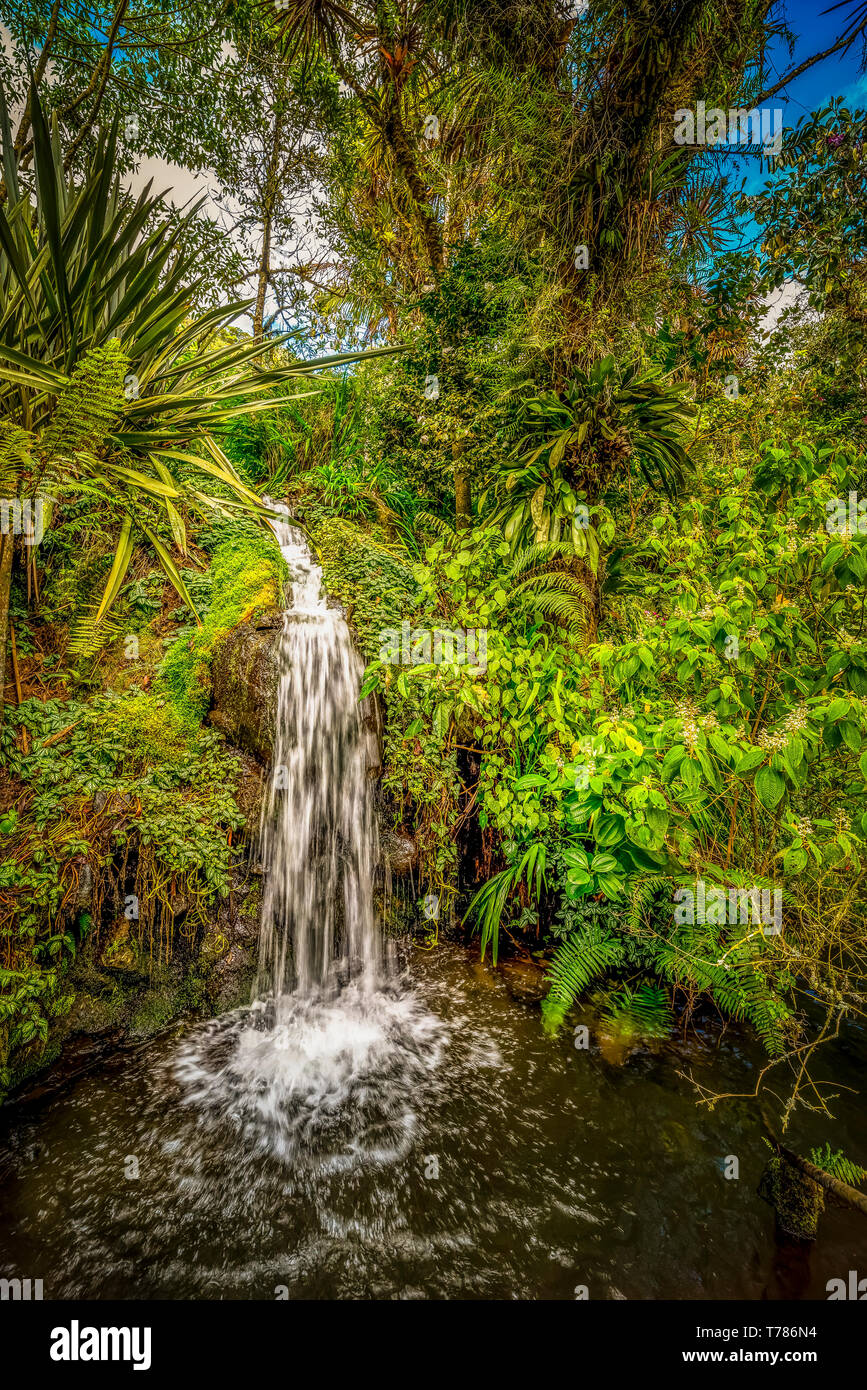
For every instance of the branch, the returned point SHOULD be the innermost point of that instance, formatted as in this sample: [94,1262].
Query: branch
[97,84]
[843,44]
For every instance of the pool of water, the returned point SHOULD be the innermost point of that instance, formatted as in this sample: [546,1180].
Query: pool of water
[425,1141]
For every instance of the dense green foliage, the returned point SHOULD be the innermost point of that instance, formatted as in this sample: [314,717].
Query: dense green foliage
[601,538]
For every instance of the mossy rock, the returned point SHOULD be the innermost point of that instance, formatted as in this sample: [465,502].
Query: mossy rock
[121,951]
[796,1199]
[244,677]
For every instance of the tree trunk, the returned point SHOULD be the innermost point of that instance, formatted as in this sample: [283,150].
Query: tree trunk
[463,493]
[7,545]
[269,203]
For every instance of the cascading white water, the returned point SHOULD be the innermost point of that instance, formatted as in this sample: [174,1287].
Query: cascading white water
[328,1064]
[318,834]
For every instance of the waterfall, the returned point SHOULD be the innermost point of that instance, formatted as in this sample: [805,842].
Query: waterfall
[318,831]
[326,1067]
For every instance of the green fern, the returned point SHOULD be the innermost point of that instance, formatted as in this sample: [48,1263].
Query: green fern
[838,1165]
[643,1012]
[533,557]
[695,958]
[558,607]
[89,634]
[86,410]
[15,457]
[434,523]
[552,594]
[583,957]
[731,977]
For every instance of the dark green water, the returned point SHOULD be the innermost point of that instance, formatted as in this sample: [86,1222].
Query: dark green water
[434,1144]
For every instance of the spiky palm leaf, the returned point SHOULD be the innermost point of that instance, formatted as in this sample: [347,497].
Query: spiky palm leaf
[106,365]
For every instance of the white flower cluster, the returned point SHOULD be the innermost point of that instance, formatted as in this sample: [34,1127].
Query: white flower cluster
[795,720]
[626,712]
[688,715]
[803,827]
[774,742]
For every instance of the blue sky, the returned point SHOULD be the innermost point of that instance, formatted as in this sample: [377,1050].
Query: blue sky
[835,76]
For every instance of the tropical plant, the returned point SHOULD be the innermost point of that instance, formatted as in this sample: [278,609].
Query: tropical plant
[489,902]
[111,379]
[696,960]
[547,593]
[570,442]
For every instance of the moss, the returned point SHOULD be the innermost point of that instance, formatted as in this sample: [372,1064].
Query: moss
[29,1064]
[157,1008]
[796,1199]
[147,726]
[376,588]
[246,572]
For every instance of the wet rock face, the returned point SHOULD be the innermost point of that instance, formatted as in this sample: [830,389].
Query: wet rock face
[231,979]
[245,678]
[399,850]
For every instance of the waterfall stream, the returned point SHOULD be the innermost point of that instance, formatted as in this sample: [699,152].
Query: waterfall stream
[318,834]
[328,1063]
[362,1130]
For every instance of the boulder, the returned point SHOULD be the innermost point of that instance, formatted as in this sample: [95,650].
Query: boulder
[399,850]
[245,675]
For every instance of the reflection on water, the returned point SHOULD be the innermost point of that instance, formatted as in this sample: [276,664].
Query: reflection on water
[426,1141]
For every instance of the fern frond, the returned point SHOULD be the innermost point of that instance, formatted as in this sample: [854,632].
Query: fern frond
[562,608]
[15,457]
[584,956]
[434,523]
[532,557]
[643,1012]
[90,633]
[838,1165]
[86,409]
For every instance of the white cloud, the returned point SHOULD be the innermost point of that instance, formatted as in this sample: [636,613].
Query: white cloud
[778,300]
